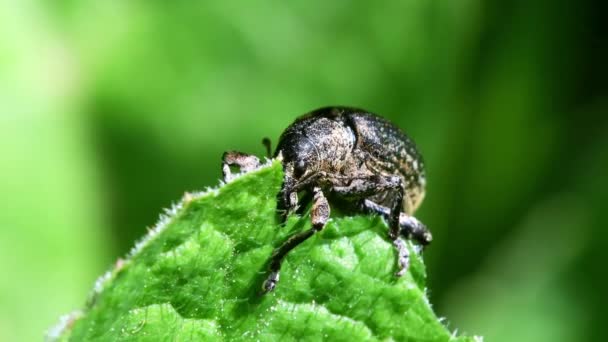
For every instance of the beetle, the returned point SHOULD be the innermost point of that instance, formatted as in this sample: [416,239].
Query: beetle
[350,156]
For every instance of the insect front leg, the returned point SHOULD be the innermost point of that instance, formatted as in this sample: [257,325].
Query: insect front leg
[287,201]
[319,216]
[245,162]
[287,198]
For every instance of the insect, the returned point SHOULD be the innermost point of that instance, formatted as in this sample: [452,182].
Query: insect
[350,156]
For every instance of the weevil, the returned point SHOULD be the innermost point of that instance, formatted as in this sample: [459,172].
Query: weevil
[352,156]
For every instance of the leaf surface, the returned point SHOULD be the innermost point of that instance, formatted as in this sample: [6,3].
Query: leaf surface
[198,275]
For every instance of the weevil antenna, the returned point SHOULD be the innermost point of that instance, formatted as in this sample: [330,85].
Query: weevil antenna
[266,142]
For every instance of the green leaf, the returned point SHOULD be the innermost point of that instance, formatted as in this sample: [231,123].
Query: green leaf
[198,275]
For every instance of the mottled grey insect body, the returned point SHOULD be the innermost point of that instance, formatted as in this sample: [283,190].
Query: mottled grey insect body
[353,147]
[354,156]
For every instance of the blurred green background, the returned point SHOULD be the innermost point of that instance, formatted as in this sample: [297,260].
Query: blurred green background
[111,110]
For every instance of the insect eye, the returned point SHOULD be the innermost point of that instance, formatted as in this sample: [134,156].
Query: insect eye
[300,168]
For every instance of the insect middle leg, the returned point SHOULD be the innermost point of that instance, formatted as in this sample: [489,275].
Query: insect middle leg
[319,216]
[403,255]
[410,226]
[371,185]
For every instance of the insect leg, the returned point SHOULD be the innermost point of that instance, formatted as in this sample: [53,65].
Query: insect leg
[319,216]
[246,163]
[287,198]
[410,226]
[403,256]
[287,201]
[366,186]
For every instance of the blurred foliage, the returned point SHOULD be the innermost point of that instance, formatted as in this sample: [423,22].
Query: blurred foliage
[198,276]
[110,110]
